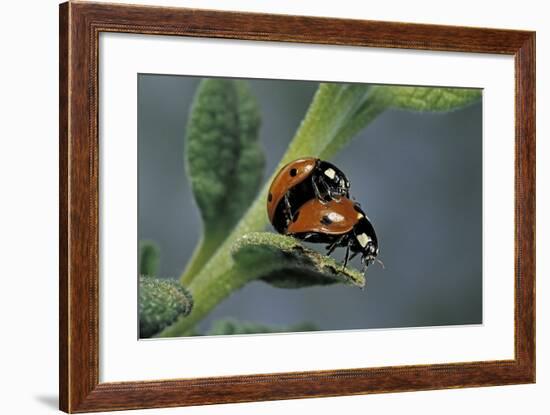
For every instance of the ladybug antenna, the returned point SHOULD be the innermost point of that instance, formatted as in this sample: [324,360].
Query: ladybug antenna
[381,263]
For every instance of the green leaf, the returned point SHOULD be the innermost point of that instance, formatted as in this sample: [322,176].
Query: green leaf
[382,97]
[231,326]
[149,254]
[224,160]
[284,262]
[414,98]
[161,302]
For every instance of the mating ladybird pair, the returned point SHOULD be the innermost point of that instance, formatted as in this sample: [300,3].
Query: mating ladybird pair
[309,199]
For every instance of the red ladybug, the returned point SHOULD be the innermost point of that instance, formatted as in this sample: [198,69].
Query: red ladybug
[300,181]
[337,223]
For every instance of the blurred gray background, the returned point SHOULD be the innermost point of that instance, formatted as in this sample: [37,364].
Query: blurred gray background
[418,176]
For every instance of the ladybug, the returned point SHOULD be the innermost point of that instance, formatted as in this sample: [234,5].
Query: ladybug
[337,223]
[300,181]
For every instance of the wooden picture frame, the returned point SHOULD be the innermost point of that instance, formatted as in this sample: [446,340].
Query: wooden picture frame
[80,26]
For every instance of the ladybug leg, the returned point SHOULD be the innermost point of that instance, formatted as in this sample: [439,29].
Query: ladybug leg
[333,245]
[331,248]
[288,208]
[316,190]
[328,190]
[346,257]
[331,195]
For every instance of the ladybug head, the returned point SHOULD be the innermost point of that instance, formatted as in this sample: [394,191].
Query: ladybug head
[368,246]
[366,241]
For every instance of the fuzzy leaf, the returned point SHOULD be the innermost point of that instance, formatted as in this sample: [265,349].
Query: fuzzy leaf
[425,98]
[231,326]
[149,254]
[377,98]
[224,160]
[161,302]
[284,262]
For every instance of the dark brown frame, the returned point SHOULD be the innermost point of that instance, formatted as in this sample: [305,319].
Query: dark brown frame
[80,26]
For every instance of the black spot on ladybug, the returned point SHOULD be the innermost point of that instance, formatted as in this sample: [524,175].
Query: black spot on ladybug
[326,220]
[269,197]
[293,172]
[295,218]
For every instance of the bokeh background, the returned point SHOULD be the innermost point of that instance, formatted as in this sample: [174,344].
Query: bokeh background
[418,176]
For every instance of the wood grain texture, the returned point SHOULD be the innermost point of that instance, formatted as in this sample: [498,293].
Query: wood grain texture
[80,25]
[63,206]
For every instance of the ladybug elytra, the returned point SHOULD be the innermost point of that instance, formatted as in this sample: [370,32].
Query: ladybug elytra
[339,223]
[300,181]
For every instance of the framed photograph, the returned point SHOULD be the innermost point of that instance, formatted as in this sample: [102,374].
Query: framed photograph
[260,207]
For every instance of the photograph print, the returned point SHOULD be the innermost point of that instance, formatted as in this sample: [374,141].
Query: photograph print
[281,206]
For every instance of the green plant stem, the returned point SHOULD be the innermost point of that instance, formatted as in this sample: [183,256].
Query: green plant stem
[364,117]
[202,254]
